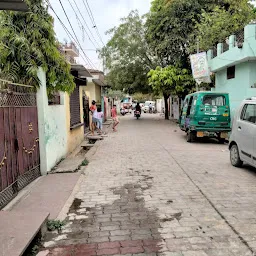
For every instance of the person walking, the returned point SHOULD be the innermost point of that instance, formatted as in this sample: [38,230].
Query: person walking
[114,117]
[93,109]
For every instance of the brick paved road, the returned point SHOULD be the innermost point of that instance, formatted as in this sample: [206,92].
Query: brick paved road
[149,192]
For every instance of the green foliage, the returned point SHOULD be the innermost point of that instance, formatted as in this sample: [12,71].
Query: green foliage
[214,27]
[141,97]
[171,80]
[127,55]
[85,162]
[27,41]
[174,26]
[55,225]
[35,250]
[169,29]
[115,94]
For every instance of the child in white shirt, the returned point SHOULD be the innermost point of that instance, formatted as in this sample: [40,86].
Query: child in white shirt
[100,118]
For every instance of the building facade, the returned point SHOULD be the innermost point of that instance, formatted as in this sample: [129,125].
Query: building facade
[234,63]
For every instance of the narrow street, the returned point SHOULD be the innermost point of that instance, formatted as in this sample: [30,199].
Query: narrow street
[149,192]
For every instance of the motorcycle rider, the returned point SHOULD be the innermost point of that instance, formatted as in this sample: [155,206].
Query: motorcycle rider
[150,107]
[137,108]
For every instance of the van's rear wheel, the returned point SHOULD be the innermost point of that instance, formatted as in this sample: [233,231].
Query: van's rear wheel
[191,136]
[235,157]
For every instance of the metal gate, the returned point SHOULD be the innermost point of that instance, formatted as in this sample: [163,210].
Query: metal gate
[86,112]
[19,142]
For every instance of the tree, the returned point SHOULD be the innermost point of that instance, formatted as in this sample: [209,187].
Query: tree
[27,41]
[213,28]
[169,28]
[127,55]
[140,97]
[171,80]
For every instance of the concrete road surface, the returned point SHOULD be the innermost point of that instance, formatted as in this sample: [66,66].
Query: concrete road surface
[149,192]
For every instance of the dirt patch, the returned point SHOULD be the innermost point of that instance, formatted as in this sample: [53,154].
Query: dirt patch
[126,217]
[75,205]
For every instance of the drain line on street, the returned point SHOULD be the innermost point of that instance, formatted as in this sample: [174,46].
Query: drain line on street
[211,203]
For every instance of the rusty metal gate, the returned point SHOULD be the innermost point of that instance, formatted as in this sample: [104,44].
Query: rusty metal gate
[19,142]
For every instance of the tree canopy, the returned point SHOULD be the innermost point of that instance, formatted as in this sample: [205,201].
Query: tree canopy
[159,43]
[27,41]
[127,55]
[170,80]
[223,21]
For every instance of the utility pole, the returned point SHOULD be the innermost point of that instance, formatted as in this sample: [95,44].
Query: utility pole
[197,42]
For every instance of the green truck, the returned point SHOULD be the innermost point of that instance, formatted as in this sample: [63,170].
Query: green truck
[206,114]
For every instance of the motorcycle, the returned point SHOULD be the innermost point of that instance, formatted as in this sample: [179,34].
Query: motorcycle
[123,112]
[137,114]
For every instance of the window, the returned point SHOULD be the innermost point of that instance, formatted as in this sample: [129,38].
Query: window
[231,72]
[249,113]
[75,118]
[190,105]
[185,104]
[214,100]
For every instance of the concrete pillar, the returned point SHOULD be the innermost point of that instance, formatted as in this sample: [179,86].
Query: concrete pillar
[250,32]
[232,40]
[42,104]
[219,49]
[209,54]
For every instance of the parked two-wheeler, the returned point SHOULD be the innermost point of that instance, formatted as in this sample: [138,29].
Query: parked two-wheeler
[137,114]
[122,112]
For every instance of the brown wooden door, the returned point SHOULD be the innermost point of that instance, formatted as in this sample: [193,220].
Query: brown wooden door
[19,142]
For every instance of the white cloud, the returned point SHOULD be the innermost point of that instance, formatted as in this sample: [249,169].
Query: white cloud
[107,14]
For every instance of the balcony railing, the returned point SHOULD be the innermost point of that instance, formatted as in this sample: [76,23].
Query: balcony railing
[239,37]
[70,59]
[72,47]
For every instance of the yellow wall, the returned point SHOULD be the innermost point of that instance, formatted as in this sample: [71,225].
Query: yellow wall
[75,136]
[98,93]
[90,91]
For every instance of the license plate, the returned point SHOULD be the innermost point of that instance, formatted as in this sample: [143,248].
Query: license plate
[200,134]
[226,114]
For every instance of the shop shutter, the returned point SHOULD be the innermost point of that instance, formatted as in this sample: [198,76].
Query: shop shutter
[75,107]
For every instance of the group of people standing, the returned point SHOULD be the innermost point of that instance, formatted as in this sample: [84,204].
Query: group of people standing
[97,117]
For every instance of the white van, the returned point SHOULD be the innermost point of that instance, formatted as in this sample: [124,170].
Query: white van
[242,142]
[145,109]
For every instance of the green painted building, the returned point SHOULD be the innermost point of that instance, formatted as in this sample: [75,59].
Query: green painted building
[234,65]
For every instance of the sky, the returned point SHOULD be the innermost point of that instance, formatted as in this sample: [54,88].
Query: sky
[106,14]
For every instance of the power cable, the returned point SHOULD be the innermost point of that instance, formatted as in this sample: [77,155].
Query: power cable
[89,11]
[71,36]
[74,32]
[86,26]
[84,22]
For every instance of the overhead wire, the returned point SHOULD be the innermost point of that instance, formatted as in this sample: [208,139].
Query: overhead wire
[77,40]
[92,36]
[89,11]
[88,61]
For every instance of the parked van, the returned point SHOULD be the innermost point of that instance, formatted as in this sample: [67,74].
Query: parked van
[206,114]
[242,142]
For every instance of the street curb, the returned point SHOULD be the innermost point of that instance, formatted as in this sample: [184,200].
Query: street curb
[21,195]
[89,155]
[65,209]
